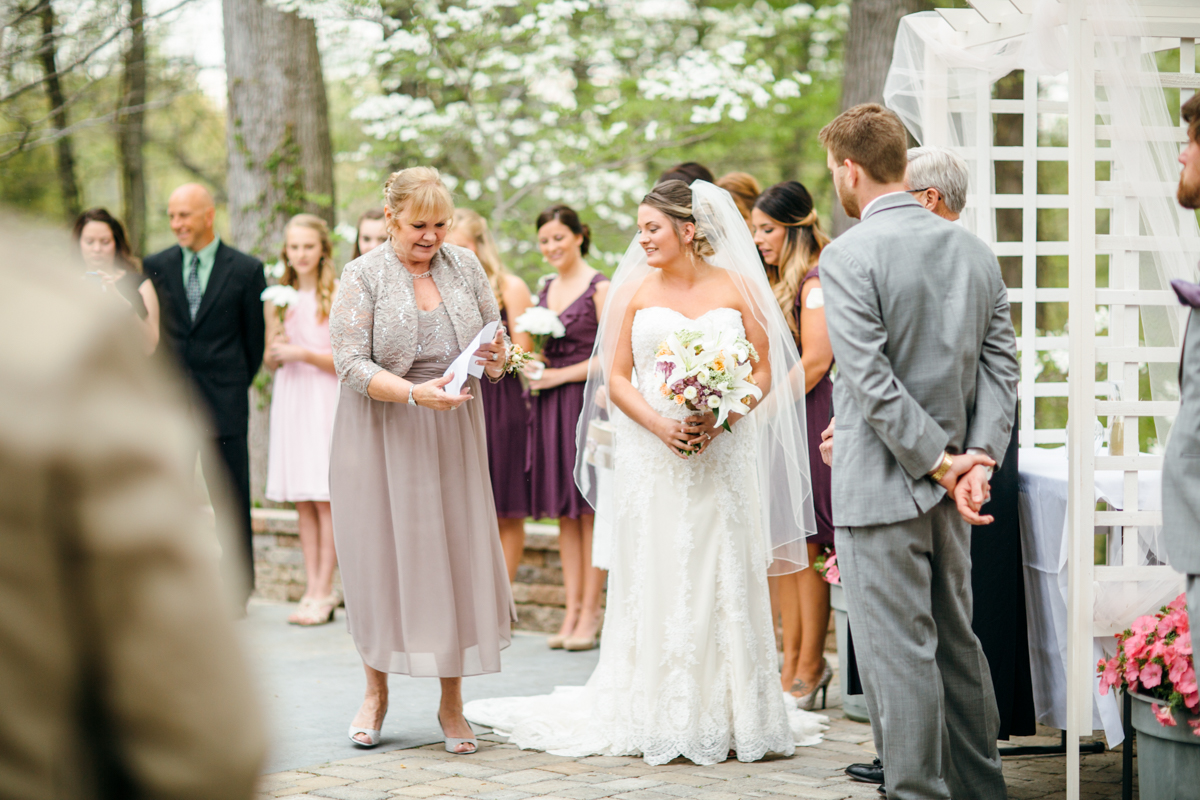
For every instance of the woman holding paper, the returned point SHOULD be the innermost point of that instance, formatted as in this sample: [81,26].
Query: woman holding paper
[423,572]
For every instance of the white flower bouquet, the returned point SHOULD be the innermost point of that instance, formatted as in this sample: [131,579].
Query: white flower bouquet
[708,370]
[281,297]
[542,324]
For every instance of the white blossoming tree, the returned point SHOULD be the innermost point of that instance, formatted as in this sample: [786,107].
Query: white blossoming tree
[524,102]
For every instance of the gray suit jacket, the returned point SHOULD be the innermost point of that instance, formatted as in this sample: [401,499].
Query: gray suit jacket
[1181,467]
[918,318]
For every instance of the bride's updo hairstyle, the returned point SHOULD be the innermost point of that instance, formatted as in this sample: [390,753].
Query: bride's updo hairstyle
[419,193]
[674,198]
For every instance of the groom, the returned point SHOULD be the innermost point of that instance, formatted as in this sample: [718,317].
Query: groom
[918,318]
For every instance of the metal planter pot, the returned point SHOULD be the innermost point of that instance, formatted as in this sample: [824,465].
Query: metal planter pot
[854,706]
[1168,758]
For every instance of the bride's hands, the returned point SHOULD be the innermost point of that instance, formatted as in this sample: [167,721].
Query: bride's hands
[676,435]
[707,430]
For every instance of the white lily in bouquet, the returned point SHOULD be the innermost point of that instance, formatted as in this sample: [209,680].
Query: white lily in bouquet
[541,324]
[709,369]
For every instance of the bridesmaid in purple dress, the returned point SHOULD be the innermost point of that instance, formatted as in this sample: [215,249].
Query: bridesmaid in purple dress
[505,407]
[576,293]
[790,240]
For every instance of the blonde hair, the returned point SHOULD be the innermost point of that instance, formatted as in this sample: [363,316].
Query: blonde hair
[326,274]
[475,226]
[420,193]
[743,187]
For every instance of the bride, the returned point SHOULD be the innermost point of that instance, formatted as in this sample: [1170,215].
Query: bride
[688,665]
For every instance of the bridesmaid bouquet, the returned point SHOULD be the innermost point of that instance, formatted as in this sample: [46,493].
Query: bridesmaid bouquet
[708,370]
[515,359]
[281,297]
[542,324]
[1154,658]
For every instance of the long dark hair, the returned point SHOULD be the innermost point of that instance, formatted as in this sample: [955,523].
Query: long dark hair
[370,213]
[125,255]
[688,172]
[567,216]
[789,204]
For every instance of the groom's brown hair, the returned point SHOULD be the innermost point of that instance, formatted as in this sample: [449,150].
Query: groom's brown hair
[872,137]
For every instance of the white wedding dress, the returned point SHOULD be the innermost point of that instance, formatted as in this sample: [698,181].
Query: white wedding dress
[688,665]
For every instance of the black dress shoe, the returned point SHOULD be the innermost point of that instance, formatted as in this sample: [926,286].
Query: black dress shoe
[882,790]
[867,773]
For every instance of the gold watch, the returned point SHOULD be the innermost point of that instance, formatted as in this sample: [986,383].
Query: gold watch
[943,468]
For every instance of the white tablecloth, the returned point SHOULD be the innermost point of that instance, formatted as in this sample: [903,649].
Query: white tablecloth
[1043,511]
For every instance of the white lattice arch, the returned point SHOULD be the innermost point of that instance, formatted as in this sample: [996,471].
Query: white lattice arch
[1121,354]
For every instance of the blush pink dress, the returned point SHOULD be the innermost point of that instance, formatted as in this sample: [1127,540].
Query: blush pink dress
[303,402]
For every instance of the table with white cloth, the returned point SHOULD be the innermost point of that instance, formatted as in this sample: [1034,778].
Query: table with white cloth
[1042,504]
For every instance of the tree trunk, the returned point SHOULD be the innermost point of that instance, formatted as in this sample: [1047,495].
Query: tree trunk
[280,153]
[868,55]
[58,115]
[131,131]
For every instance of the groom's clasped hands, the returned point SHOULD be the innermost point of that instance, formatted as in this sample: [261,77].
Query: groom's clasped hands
[968,480]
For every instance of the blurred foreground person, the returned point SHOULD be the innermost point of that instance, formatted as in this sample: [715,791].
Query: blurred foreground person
[119,673]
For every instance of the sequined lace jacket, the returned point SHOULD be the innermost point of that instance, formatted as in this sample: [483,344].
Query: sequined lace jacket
[373,323]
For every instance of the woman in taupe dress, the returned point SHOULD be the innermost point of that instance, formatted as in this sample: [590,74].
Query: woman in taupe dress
[423,572]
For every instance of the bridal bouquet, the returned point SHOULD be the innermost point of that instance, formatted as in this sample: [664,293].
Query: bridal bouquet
[281,297]
[542,324]
[708,370]
[1154,658]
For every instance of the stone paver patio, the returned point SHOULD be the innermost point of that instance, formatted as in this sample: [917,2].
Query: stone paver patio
[502,772]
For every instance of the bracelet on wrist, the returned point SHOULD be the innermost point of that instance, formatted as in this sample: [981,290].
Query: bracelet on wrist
[942,469]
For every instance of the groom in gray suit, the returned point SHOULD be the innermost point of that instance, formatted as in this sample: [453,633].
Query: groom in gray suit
[927,378]
[1181,466]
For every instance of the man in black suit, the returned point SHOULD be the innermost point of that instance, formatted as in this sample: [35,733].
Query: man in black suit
[212,319]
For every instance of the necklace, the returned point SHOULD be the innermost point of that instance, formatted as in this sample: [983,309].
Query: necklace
[424,274]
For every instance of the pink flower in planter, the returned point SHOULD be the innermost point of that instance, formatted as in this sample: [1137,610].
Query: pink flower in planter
[1151,675]
[1187,684]
[1164,716]
[1195,726]
[1110,677]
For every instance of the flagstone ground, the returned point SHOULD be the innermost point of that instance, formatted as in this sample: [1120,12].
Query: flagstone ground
[313,680]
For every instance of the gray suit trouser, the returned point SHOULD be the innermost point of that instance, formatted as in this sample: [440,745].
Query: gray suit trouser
[1193,596]
[927,684]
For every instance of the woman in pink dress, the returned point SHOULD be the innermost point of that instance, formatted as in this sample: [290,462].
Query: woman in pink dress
[304,398]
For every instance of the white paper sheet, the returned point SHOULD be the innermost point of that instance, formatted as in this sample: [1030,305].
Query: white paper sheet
[465,364]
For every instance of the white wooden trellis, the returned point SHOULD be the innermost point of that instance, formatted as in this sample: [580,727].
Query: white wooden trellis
[1120,353]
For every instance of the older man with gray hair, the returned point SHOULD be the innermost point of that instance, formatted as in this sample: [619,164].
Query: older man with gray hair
[937,177]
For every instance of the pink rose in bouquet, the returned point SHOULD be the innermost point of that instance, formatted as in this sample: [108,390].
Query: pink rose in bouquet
[826,566]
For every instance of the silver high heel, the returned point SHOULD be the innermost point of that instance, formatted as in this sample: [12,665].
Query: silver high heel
[374,736]
[452,744]
[809,701]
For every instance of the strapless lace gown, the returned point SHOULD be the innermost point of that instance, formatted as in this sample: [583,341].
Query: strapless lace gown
[687,657]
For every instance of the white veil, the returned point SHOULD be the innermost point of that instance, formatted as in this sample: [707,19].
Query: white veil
[784,483]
